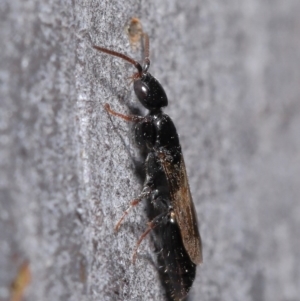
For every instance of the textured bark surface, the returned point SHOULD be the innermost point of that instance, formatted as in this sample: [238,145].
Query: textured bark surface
[231,70]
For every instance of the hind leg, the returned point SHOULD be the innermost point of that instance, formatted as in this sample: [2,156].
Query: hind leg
[145,193]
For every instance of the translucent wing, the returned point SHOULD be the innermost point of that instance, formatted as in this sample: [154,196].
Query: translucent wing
[183,206]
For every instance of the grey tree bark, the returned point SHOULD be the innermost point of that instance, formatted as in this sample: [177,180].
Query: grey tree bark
[231,70]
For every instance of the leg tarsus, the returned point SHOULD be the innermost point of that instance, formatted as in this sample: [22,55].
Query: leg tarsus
[133,203]
[151,225]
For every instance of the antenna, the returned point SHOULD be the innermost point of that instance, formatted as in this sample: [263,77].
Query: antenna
[122,56]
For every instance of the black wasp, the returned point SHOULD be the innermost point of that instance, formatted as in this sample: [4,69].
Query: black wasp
[166,190]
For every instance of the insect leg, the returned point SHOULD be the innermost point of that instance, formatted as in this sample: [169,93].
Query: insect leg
[151,225]
[132,118]
[146,192]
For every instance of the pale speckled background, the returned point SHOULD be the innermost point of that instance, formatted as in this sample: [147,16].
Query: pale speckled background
[231,70]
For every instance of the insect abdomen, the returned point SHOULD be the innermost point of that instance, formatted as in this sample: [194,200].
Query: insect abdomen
[177,269]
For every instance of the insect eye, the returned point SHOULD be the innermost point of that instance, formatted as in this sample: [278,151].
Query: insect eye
[141,90]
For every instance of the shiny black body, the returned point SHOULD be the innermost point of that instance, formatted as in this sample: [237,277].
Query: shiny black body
[168,200]
[176,269]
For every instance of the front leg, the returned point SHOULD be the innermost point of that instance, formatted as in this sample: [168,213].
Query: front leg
[144,129]
[130,118]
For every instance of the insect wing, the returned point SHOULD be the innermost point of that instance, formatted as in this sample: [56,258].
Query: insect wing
[183,206]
